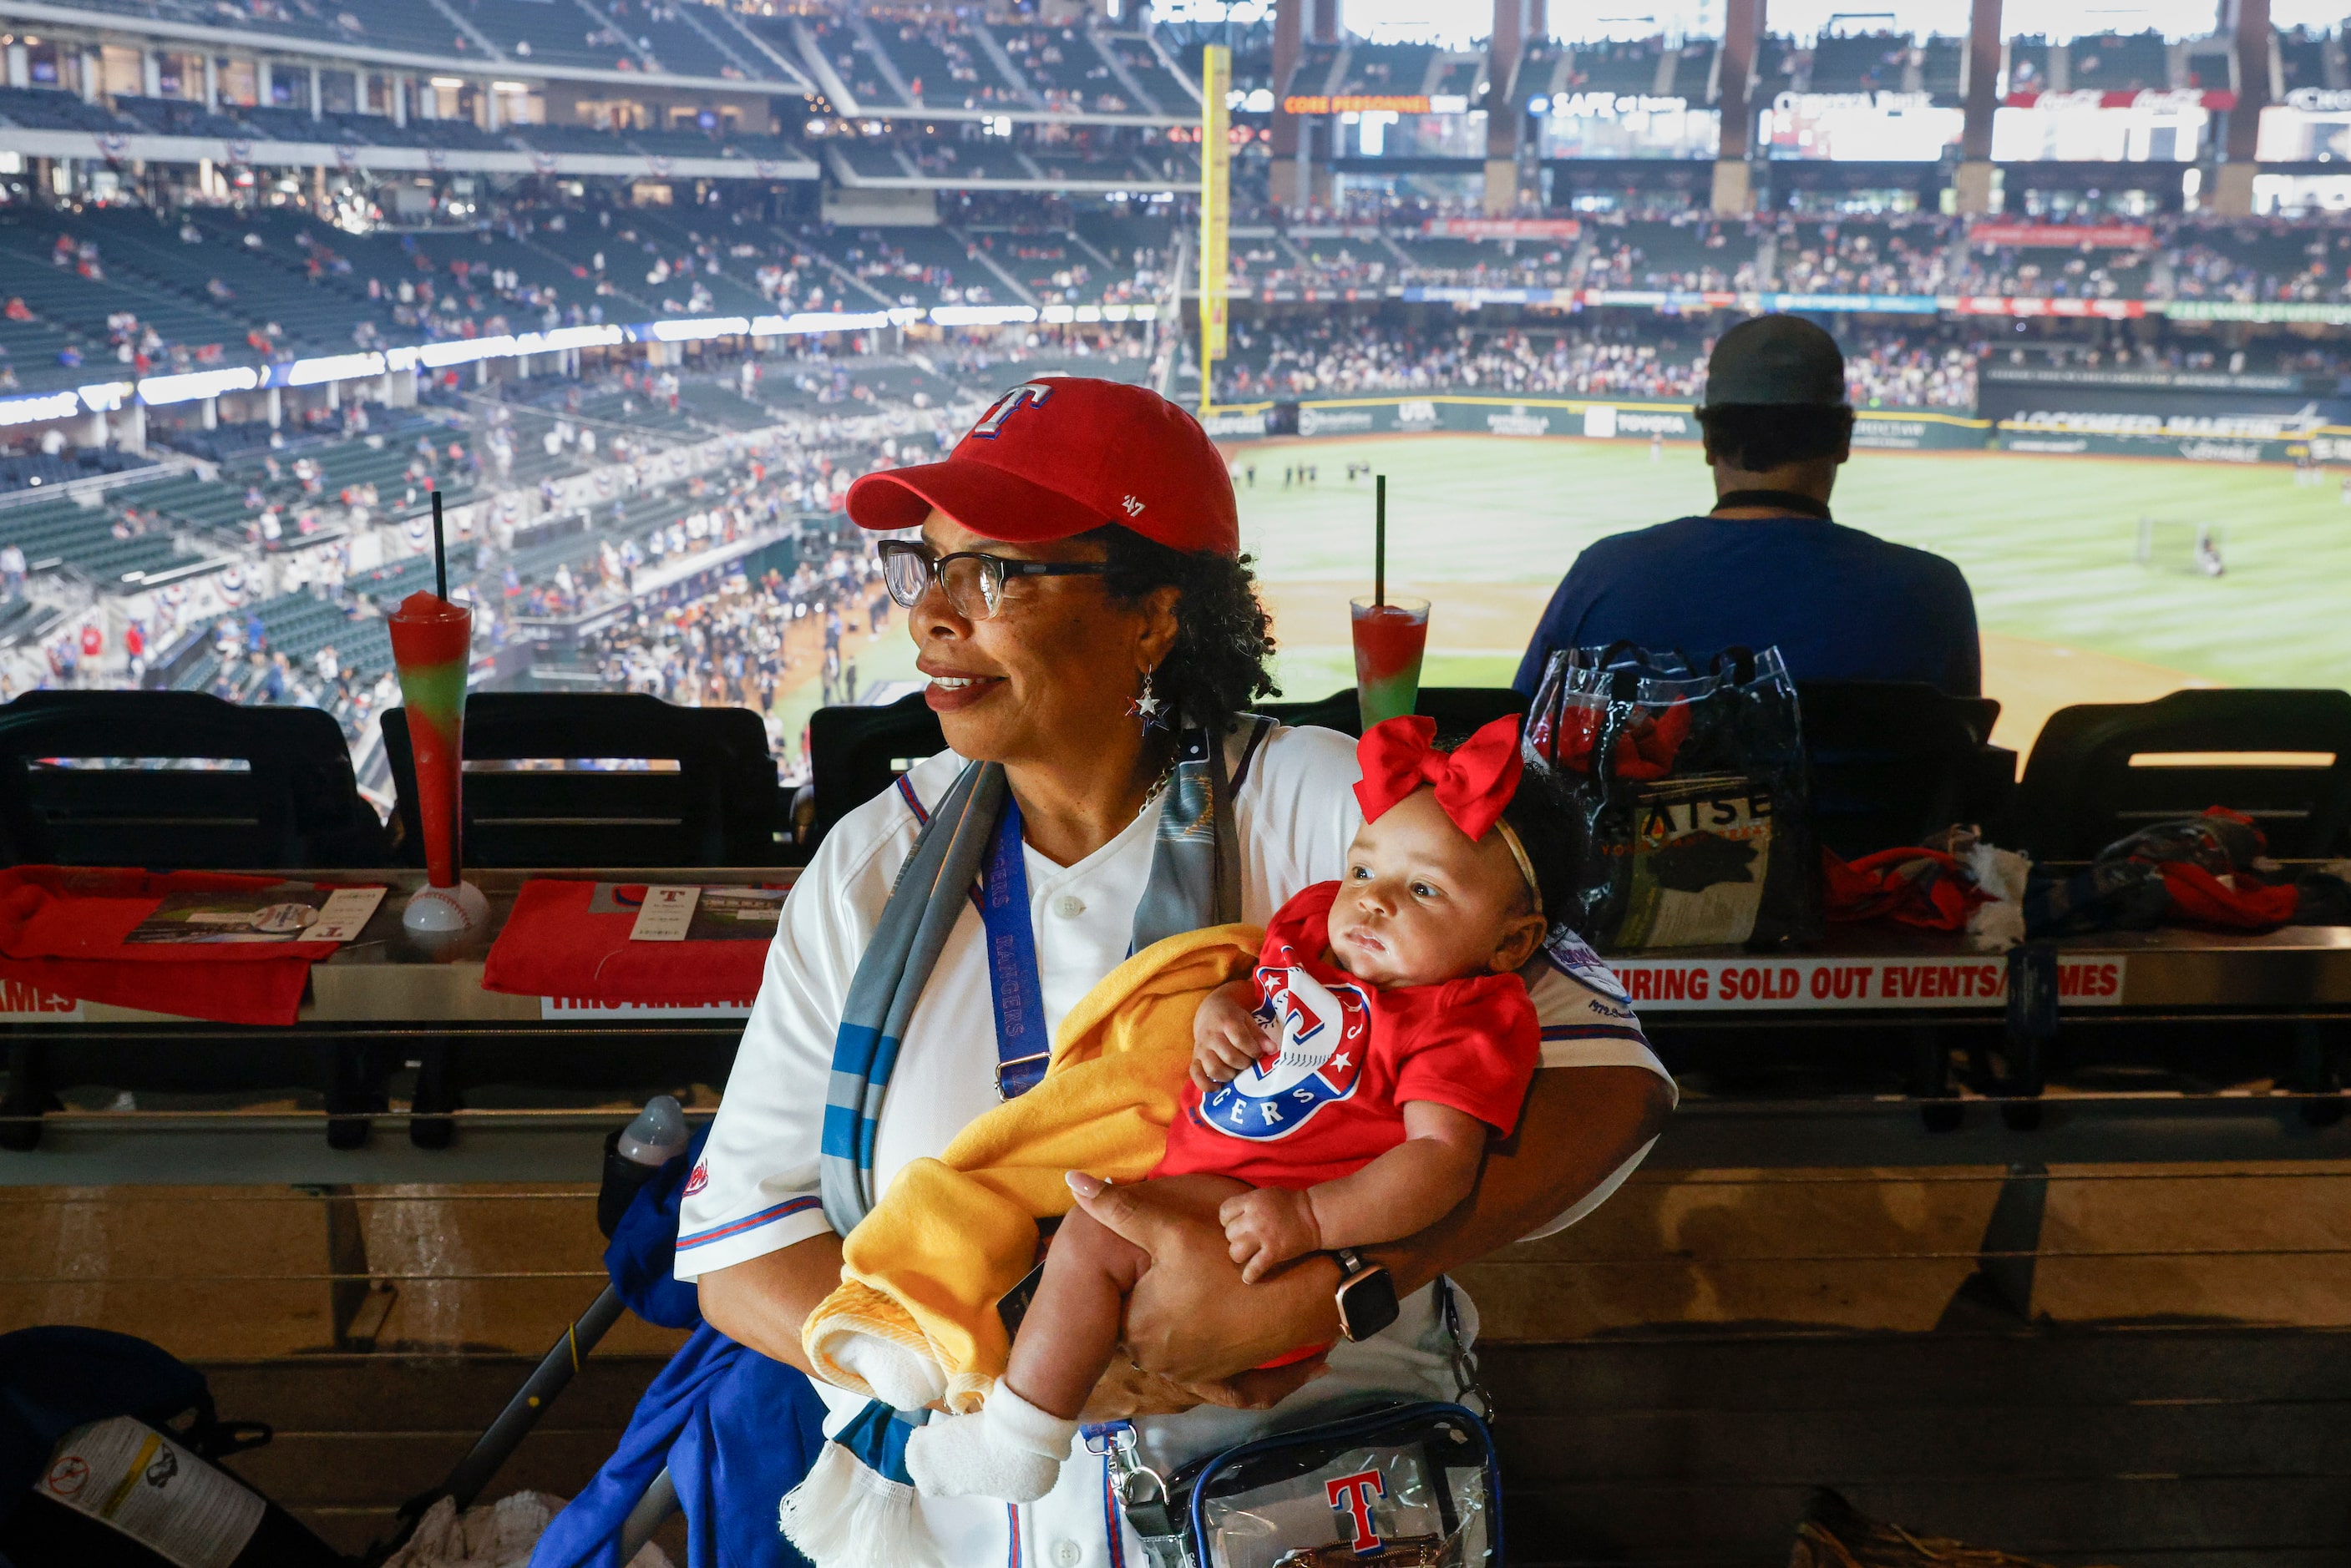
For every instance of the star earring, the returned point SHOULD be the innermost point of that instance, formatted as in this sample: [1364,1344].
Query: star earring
[1147,707]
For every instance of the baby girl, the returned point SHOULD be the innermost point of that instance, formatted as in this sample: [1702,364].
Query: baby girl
[1343,1096]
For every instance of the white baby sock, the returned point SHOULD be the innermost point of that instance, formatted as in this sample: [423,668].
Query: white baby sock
[1010,1450]
[902,1378]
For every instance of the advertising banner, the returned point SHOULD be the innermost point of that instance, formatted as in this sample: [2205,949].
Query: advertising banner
[2245,418]
[2109,236]
[2161,101]
[1880,428]
[1501,228]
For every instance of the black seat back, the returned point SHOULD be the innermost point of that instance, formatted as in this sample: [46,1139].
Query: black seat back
[1894,761]
[2101,772]
[1457,709]
[293,803]
[715,804]
[855,752]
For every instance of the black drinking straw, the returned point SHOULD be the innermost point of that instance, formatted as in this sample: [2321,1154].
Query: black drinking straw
[440,552]
[1379,539]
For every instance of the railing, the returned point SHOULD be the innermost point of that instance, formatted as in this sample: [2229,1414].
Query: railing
[92,484]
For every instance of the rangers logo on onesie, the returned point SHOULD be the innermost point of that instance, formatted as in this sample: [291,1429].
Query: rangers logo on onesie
[1323,1031]
[1330,1096]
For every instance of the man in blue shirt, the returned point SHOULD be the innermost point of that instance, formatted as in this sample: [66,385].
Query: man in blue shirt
[1767,567]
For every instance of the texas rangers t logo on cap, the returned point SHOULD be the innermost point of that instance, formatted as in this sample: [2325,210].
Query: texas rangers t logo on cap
[1031,393]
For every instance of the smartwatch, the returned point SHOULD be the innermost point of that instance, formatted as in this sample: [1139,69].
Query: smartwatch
[1367,1298]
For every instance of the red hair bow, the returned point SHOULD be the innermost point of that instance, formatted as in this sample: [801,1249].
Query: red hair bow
[1474,782]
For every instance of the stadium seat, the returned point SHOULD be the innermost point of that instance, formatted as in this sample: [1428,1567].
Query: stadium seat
[2103,771]
[1894,761]
[716,807]
[293,805]
[854,752]
[1457,709]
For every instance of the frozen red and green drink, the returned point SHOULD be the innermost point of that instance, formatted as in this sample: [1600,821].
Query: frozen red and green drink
[432,643]
[1389,640]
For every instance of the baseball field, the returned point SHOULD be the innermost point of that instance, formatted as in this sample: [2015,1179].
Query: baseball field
[1484,525]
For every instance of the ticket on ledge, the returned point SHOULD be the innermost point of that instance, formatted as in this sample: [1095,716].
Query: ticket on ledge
[680,912]
[289,912]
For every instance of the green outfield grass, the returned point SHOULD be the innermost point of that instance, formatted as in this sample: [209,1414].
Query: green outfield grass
[2045,542]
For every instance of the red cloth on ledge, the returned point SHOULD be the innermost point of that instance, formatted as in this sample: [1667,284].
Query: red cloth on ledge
[61,929]
[1916,887]
[551,946]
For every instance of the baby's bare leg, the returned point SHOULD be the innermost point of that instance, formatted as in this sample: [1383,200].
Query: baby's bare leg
[1072,1327]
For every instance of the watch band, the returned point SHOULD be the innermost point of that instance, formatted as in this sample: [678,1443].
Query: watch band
[1367,1294]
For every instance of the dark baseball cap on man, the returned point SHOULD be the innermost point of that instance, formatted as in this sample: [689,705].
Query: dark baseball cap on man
[1064,454]
[1780,360]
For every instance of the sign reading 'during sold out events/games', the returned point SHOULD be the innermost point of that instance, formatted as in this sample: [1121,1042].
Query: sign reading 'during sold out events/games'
[1815,984]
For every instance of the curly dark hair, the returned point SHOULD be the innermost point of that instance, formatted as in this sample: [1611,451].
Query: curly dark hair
[1552,835]
[1224,641]
[1544,816]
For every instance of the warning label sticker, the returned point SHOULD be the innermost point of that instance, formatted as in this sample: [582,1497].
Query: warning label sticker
[131,1478]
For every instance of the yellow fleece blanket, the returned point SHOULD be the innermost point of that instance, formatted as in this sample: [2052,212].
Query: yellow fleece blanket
[926,1267]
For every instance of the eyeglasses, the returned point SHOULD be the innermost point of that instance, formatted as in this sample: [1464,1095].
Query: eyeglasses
[972,581]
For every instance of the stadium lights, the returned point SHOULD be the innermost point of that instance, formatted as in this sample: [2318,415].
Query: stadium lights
[156,390]
[981,314]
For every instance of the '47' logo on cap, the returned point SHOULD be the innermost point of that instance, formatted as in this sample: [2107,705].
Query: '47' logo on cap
[1351,1495]
[1029,393]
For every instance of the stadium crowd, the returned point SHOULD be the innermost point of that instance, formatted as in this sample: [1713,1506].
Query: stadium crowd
[1337,357]
[740,647]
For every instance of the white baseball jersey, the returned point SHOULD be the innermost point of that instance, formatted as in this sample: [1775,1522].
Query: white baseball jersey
[755,1189]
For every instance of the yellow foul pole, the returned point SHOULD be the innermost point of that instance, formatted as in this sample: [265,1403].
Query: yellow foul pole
[1215,207]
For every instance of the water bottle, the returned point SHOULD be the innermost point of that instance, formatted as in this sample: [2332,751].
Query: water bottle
[633,1153]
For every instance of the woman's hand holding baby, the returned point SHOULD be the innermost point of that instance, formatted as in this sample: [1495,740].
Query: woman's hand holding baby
[1267,1227]
[1227,1038]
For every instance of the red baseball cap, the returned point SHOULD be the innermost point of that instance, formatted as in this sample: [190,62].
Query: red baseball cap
[1064,454]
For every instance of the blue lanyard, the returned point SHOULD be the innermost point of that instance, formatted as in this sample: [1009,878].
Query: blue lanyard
[1022,1044]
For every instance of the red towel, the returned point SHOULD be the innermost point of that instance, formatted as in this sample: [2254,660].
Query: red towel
[1923,888]
[62,929]
[552,946]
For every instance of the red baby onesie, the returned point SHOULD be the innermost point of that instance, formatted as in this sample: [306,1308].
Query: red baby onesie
[1331,1099]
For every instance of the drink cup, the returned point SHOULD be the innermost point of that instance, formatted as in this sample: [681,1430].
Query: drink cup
[432,644]
[1389,640]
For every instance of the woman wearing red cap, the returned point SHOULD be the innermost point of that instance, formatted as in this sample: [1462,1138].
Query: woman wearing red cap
[1087,623]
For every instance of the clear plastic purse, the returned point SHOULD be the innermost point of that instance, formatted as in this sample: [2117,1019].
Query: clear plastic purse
[1391,1484]
[1411,1484]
